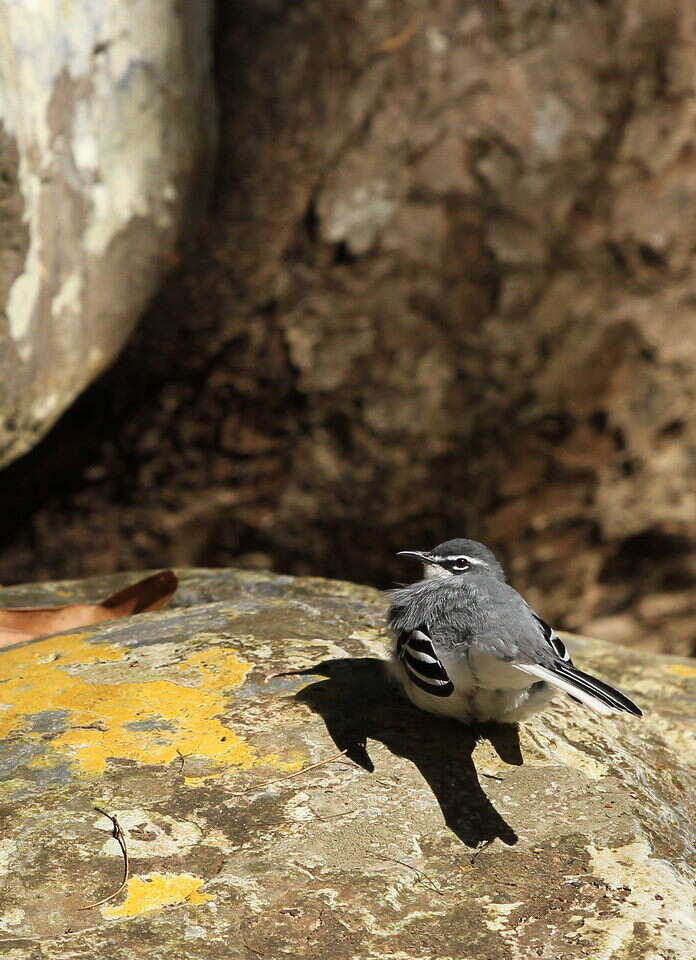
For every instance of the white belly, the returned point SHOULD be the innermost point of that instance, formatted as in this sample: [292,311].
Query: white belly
[485,689]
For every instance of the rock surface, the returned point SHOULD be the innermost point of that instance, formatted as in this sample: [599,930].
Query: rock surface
[446,288]
[106,124]
[174,722]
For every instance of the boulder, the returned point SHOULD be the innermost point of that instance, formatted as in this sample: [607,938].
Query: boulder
[278,799]
[446,288]
[106,123]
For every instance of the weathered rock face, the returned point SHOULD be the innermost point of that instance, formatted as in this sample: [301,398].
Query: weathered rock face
[106,125]
[174,722]
[446,289]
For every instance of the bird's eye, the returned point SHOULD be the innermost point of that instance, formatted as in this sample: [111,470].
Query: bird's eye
[459,566]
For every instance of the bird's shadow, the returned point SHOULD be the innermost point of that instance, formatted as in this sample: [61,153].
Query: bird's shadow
[358,704]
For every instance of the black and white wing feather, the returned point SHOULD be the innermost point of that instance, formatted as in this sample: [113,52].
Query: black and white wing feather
[560,671]
[423,667]
[554,641]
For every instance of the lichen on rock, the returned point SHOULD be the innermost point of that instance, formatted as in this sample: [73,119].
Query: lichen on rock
[572,836]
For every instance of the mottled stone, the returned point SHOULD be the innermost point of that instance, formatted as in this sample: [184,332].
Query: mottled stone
[106,130]
[446,288]
[571,837]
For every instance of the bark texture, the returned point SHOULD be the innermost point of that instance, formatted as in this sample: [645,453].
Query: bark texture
[446,288]
[106,124]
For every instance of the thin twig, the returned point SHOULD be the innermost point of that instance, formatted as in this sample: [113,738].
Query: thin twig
[480,847]
[315,819]
[333,816]
[274,676]
[306,672]
[182,759]
[402,38]
[118,835]
[424,878]
[252,950]
[297,773]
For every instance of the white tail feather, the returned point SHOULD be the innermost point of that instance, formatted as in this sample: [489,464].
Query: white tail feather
[543,673]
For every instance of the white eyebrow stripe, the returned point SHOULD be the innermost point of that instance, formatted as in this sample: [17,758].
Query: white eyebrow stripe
[480,563]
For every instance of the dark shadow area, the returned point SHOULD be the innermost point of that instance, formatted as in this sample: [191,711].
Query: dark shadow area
[358,705]
[634,559]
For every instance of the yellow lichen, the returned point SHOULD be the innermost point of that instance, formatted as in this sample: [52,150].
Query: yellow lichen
[682,669]
[102,715]
[156,890]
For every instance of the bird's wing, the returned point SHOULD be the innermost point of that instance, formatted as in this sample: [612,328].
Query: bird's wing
[554,665]
[557,646]
[594,693]
[423,666]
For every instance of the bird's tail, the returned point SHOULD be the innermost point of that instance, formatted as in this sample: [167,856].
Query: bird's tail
[594,693]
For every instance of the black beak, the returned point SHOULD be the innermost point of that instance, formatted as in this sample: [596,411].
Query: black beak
[421,555]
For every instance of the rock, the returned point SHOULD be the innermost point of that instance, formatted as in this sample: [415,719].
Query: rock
[106,129]
[175,721]
[446,287]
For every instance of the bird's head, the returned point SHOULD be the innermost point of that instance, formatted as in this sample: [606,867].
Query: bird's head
[456,558]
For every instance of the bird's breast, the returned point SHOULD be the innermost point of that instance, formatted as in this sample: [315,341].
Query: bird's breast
[471,669]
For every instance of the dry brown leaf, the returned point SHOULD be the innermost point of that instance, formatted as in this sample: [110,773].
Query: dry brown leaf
[20,624]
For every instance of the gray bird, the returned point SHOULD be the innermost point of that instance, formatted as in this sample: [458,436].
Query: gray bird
[469,646]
